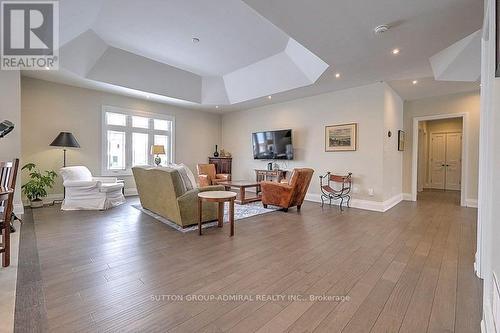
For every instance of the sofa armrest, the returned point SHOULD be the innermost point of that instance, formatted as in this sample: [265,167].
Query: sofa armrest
[212,188]
[203,180]
[223,176]
[81,183]
[192,195]
[189,196]
[105,179]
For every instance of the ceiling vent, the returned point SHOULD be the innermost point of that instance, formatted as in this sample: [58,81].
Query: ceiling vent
[381,29]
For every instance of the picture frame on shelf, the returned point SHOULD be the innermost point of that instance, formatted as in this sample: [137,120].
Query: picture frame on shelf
[341,137]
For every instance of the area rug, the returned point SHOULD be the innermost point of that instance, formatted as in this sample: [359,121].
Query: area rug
[240,212]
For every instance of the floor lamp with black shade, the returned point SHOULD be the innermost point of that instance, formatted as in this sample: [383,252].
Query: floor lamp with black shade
[65,140]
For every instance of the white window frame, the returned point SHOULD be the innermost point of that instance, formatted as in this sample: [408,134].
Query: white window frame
[128,129]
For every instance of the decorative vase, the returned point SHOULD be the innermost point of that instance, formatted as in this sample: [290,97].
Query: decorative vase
[216,153]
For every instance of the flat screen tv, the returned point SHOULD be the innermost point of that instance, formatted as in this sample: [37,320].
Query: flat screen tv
[273,145]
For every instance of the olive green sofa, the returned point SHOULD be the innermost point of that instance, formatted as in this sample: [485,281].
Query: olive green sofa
[163,191]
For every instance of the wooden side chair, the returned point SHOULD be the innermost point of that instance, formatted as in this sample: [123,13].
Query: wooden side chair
[8,175]
[334,187]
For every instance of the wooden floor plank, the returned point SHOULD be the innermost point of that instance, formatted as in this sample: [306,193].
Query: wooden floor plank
[409,269]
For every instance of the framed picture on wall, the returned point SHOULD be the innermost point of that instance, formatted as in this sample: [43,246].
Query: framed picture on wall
[401,140]
[341,137]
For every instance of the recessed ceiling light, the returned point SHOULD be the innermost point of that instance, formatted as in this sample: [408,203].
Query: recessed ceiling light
[337,75]
[414,81]
[395,51]
[269,97]
[195,40]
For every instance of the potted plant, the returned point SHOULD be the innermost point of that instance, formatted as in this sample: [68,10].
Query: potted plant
[36,188]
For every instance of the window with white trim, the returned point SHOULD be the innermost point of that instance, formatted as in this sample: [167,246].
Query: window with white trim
[127,137]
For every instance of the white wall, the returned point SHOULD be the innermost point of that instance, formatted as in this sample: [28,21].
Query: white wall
[488,244]
[307,117]
[10,109]
[393,158]
[449,104]
[49,108]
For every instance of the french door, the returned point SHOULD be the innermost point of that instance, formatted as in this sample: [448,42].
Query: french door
[445,169]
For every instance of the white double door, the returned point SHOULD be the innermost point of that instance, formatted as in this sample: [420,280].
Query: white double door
[445,161]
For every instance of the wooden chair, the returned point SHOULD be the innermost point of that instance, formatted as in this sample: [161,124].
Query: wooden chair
[335,187]
[8,175]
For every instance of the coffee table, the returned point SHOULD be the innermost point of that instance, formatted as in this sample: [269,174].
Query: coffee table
[219,197]
[242,185]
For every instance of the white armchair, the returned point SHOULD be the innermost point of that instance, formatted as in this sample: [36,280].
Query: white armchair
[84,192]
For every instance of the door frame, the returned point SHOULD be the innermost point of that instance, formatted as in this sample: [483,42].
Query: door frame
[465,146]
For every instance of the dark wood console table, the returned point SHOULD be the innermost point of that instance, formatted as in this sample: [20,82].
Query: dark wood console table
[222,164]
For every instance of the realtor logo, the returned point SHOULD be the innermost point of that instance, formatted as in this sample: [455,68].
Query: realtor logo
[29,35]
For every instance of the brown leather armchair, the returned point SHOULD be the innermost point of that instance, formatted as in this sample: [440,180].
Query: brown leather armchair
[289,194]
[207,175]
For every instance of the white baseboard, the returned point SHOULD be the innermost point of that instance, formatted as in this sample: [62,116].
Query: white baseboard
[407,197]
[376,206]
[471,203]
[391,202]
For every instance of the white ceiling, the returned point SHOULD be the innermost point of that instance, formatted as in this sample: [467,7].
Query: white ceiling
[236,34]
[231,34]
[428,87]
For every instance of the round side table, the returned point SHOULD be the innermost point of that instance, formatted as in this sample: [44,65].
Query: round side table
[219,197]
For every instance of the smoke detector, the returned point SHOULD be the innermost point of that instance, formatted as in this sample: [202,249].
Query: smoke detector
[381,29]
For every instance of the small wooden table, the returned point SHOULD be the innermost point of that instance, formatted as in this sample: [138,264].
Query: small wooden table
[242,185]
[220,197]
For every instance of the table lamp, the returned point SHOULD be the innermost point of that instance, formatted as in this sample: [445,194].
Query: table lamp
[157,150]
[65,140]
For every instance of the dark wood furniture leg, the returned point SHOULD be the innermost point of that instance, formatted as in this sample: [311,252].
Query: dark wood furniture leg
[200,214]
[231,216]
[6,198]
[220,216]
[6,242]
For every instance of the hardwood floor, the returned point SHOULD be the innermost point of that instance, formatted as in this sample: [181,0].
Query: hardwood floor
[409,270]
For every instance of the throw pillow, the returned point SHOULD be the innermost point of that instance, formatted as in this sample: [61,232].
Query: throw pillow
[190,175]
[182,169]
